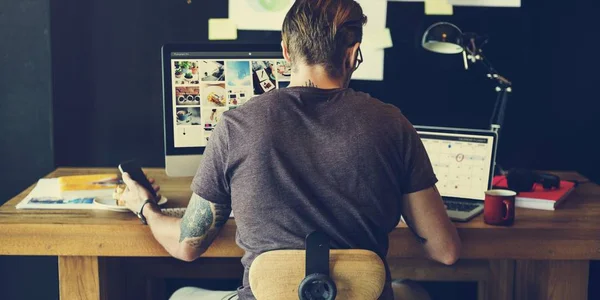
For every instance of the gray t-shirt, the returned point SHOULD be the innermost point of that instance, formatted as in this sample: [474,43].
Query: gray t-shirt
[301,159]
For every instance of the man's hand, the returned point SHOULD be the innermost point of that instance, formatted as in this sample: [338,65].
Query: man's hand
[135,195]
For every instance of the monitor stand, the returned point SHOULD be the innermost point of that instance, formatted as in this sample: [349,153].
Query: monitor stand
[182,165]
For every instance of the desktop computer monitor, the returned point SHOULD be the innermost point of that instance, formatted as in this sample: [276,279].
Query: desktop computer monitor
[201,82]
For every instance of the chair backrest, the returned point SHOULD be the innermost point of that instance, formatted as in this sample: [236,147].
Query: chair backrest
[358,274]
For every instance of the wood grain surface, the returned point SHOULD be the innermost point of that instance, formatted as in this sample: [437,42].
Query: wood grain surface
[78,277]
[571,232]
[551,280]
[552,249]
[358,274]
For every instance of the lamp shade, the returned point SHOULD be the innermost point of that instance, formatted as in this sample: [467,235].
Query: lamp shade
[443,38]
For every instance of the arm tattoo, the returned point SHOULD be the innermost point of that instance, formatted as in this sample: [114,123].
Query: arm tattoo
[202,221]
[309,83]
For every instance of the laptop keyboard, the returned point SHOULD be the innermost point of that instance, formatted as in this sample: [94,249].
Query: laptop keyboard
[457,206]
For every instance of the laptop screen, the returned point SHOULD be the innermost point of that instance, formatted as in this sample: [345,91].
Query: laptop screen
[462,162]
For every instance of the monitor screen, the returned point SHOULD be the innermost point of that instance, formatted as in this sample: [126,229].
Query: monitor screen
[462,162]
[205,84]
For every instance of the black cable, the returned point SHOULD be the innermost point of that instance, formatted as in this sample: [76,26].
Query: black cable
[496,107]
[232,296]
[578,183]
[504,103]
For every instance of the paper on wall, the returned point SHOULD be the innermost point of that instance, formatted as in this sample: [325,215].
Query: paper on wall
[375,33]
[376,12]
[222,29]
[490,3]
[269,15]
[372,68]
[259,14]
[374,40]
[381,39]
[438,7]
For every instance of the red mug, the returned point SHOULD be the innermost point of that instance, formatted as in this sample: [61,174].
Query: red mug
[499,207]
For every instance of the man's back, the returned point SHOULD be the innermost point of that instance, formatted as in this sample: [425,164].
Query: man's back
[302,159]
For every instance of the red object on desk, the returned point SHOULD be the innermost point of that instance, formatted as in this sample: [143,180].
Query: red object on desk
[539,198]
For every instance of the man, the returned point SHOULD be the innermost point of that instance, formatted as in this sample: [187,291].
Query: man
[314,156]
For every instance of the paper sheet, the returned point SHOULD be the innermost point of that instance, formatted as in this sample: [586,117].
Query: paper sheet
[376,12]
[378,40]
[374,41]
[438,7]
[372,68]
[269,15]
[259,14]
[222,29]
[47,187]
[46,195]
[491,3]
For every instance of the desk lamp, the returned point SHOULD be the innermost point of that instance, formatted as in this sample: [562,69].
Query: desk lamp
[447,38]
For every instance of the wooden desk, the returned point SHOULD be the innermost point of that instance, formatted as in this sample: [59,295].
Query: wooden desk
[545,255]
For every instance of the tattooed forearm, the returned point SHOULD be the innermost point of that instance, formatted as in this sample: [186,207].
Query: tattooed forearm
[197,219]
[309,83]
[201,222]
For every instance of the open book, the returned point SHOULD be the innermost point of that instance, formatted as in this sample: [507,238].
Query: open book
[70,192]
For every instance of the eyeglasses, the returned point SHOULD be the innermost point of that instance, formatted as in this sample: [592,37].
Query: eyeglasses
[359,59]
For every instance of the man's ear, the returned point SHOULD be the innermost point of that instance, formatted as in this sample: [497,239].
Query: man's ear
[286,53]
[352,55]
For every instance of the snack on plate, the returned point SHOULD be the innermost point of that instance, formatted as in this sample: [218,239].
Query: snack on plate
[215,98]
[119,189]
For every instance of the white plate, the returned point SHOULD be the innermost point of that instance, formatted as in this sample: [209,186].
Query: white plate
[111,204]
[217,89]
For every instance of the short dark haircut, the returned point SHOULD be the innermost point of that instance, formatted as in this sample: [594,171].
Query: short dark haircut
[319,32]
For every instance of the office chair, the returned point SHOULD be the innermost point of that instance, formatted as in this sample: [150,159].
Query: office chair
[317,274]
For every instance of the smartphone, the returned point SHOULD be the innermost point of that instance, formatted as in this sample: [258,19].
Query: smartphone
[135,171]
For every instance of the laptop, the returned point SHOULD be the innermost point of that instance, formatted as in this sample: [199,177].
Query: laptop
[463,161]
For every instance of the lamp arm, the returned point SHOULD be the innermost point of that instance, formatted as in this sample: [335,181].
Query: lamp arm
[497,119]
[492,73]
[503,88]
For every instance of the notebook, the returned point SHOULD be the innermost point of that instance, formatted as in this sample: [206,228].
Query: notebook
[539,198]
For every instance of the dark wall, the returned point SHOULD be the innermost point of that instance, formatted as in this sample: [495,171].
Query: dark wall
[108,98]
[107,90]
[108,80]
[25,131]
[25,95]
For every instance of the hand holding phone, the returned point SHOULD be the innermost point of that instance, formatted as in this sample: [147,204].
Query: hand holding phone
[135,172]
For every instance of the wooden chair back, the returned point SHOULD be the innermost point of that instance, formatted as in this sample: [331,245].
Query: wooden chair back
[358,274]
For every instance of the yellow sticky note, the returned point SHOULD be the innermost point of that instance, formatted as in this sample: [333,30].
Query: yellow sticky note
[378,39]
[222,29]
[384,39]
[438,7]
